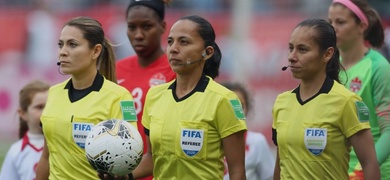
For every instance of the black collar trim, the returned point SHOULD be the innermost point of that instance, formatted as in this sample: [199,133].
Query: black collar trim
[200,87]
[325,89]
[75,94]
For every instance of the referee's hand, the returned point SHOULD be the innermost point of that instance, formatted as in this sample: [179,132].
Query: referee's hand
[105,176]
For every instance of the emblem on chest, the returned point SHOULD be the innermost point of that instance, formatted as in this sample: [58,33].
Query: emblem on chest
[315,140]
[191,141]
[157,79]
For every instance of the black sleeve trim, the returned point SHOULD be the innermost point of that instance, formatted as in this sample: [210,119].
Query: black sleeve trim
[274,137]
[146,131]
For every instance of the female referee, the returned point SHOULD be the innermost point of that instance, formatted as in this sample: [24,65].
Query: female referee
[192,122]
[358,29]
[74,106]
[315,124]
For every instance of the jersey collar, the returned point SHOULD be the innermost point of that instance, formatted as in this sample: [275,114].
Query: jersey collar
[325,89]
[26,142]
[200,87]
[75,95]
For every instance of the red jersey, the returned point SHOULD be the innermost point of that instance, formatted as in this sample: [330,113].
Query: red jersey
[137,80]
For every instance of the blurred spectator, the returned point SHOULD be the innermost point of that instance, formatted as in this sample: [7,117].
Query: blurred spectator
[385,50]
[199,5]
[23,156]
[42,36]
[117,31]
[259,160]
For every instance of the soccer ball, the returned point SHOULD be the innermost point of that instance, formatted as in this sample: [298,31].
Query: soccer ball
[114,147]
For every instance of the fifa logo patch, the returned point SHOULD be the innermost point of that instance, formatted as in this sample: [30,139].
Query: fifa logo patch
[362,111]
[80,132]
[191,141]
[315,140]
[237,108]
[128,111]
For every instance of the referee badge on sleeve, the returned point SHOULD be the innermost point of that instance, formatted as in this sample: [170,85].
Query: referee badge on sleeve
[128,111]
[362,111]
[237,108]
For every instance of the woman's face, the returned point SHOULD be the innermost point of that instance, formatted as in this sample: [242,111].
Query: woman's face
[305,58]
[185,47]
[75,55]
[144,30]
[348,32]
[34,111]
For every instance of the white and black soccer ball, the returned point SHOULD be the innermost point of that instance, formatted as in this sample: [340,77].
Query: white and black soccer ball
[114,147]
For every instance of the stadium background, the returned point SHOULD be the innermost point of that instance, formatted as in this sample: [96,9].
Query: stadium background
[252,34]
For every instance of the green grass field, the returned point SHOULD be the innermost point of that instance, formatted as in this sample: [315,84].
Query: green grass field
[4,146]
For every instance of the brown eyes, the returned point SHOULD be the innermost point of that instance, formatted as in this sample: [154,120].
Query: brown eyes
[300,49]
[60,45]
[182,42]
[144,27]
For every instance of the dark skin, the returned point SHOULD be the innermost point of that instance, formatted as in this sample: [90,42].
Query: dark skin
[144,30]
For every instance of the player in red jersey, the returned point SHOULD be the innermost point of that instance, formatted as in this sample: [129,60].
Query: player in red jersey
[149,67]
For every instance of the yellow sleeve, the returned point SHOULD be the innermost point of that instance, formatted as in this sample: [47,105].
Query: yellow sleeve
[123,108]
[230,116]
[354,117]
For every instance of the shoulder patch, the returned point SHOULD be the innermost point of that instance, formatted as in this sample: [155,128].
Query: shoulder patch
[362,111]
[237,108]
[128,111]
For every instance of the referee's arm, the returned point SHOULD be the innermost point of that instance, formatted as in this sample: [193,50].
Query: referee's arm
[145,167]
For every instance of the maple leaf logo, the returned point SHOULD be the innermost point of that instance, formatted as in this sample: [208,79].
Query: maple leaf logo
[356,84]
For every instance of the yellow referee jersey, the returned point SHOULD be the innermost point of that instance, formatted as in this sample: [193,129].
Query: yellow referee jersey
[66,123]
[186,134]
[312,135]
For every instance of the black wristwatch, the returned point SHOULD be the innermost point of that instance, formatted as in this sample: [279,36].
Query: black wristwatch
[131,176]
